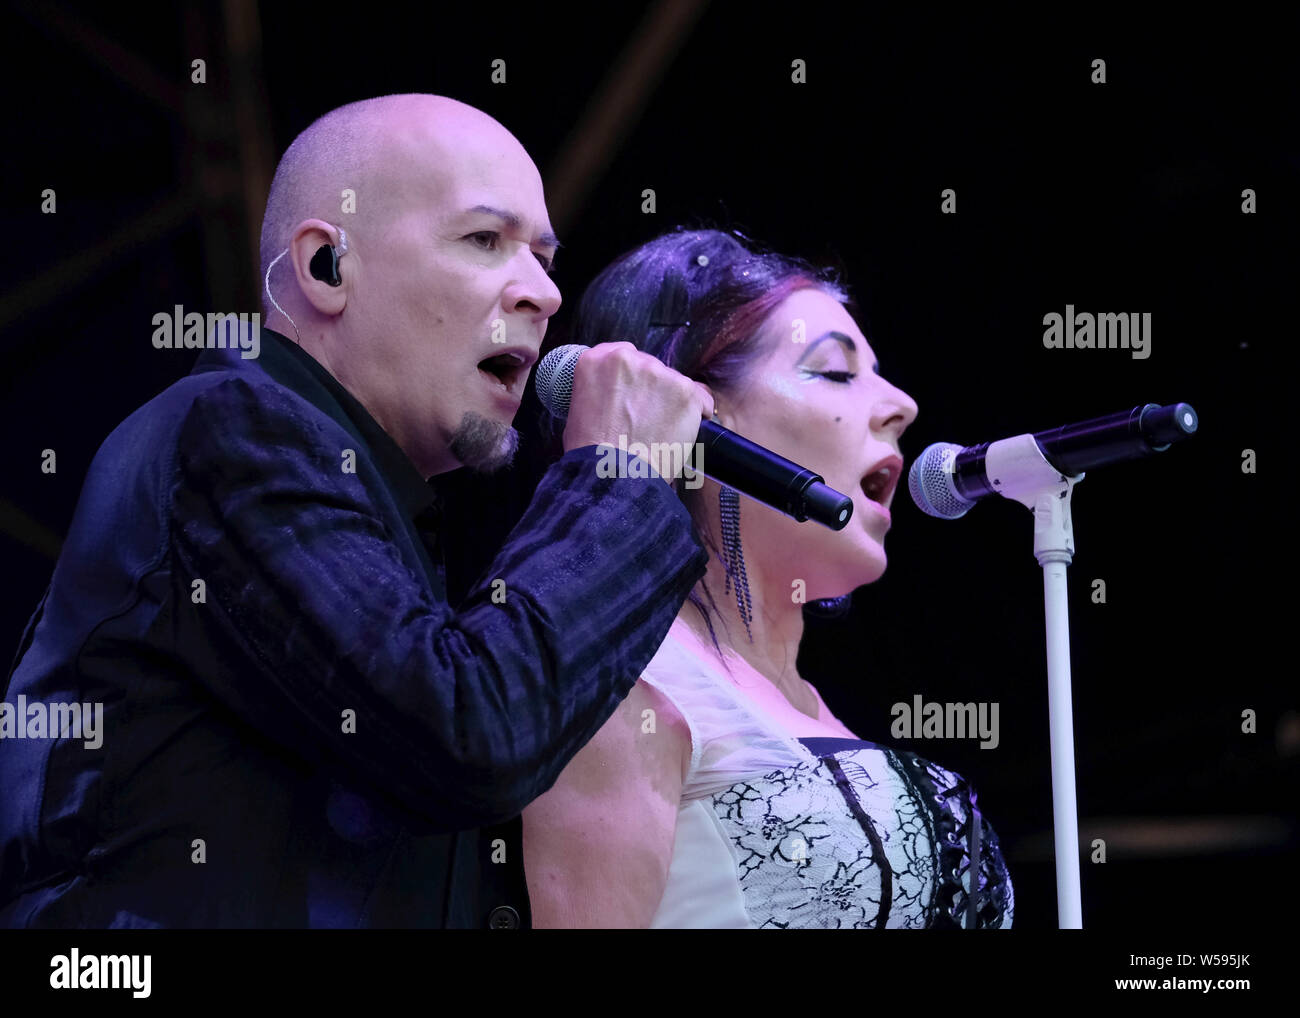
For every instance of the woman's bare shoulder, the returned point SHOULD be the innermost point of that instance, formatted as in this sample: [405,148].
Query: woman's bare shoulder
[663,720]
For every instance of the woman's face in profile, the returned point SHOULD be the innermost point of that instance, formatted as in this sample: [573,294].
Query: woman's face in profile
[815,398]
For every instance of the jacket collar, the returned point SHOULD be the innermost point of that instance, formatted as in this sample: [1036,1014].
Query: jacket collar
[290,365]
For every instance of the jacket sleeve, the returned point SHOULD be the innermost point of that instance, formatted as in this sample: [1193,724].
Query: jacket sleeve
[462,718]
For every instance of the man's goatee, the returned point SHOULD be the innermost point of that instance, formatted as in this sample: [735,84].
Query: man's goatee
[484,445]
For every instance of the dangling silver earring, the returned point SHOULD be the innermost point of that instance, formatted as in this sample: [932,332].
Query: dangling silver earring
[733,560]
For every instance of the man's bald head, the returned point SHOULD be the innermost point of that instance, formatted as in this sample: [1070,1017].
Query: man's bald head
[360,147]
[445,287]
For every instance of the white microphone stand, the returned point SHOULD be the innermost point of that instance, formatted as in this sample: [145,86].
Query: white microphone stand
[1018,470]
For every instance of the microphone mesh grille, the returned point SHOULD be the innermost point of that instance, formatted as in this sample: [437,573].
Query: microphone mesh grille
[931,485]
[554,380]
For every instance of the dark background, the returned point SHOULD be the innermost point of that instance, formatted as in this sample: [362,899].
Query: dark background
[1117,197]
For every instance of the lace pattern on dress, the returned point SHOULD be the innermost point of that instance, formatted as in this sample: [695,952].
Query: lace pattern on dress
[968,846]
[864,837]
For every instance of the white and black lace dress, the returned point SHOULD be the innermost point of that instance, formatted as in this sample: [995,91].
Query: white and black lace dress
[779,832]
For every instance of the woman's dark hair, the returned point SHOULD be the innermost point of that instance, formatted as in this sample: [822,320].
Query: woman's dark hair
[696,299]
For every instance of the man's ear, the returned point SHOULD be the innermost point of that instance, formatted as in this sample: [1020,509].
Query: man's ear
[308,238]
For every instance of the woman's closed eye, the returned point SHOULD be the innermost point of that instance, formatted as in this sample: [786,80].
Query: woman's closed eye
[834,376]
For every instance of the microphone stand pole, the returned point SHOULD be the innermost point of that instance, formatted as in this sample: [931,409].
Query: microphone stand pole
[1020,472]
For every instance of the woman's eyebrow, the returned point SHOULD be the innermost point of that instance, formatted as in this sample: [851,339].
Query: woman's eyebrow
[839,337]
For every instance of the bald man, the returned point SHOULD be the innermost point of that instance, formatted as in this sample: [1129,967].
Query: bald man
[297,729]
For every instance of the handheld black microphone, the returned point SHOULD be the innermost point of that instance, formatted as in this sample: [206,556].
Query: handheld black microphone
[946,479]
[726,457]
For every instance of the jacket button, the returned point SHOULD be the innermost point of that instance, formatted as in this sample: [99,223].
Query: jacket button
[503,917]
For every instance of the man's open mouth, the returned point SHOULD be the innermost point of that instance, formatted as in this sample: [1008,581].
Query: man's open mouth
[508,369]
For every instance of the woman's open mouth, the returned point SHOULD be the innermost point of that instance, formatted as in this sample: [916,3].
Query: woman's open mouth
[880,483]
